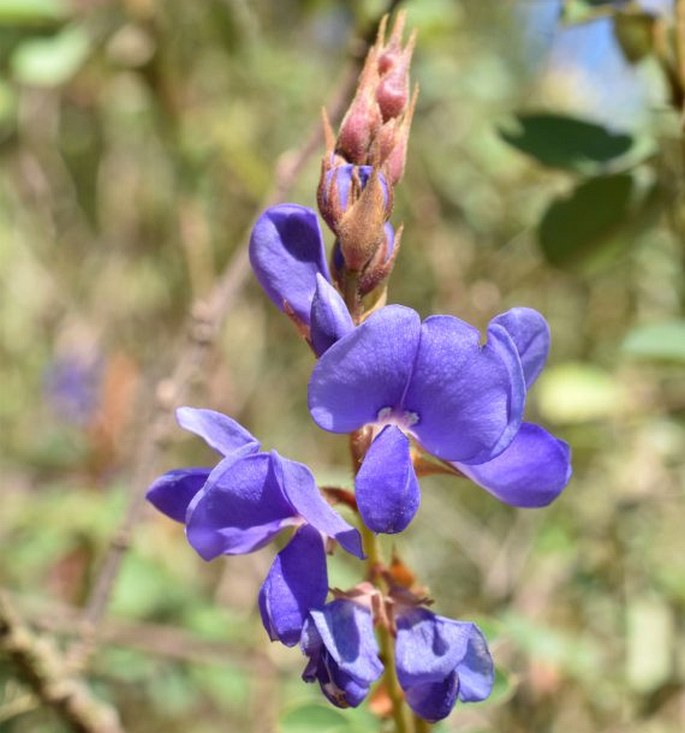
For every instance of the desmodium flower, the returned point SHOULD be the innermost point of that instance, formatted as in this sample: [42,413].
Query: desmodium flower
[289,260]
[440,661]
[433,381]
[243,503]
[343,654]
[460,400]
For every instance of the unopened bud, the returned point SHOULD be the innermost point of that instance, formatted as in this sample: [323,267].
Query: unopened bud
[340,187]
[361,230]
[398,139]
[363,119]
[382,97]
[393,67]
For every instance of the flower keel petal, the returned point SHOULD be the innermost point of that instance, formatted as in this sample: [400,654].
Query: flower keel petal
[296,584]
[387,489]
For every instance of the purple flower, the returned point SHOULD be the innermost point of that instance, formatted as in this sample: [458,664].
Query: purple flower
[243,503]
[289,260]
[439,661]
[343,654]
[72,384]
[462,401]
[433,381]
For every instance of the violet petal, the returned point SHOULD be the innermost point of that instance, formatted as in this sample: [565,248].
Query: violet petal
[297,583]
[240,508]
[530,333]
[220,432]
[531,472]
[172,493]
[287,251]
[468,398]
[299,487]
[366,371]
[330,320]
[387,489]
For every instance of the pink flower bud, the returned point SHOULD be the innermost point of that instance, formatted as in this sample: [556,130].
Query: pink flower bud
[363,119]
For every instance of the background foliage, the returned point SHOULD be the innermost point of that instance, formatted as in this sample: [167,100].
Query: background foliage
[137,140]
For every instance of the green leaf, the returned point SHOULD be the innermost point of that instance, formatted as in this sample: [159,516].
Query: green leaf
[585,221]
[651,639]
[49,62]
[576,393]
[565,142]
[658,341]
[312,718]
[32,12]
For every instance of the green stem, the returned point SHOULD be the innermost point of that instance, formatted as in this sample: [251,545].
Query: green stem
[421,725]
[385,640]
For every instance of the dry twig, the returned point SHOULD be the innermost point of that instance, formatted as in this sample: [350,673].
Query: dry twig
[41,667]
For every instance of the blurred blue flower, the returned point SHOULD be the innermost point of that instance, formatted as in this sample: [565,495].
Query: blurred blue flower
[72,387]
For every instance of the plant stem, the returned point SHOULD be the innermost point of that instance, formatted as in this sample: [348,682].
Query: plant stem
[421,725]
[385,640]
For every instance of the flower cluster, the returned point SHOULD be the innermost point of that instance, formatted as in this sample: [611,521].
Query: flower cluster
[409,393]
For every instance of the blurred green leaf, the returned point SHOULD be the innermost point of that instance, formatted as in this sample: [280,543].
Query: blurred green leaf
[565,142]
[576,393]
[657,341]
[49,62]
[651,640]
[8,108]
[312,718]
[227,685]
[144,588]
[582,223]
[34,12]
[564,649]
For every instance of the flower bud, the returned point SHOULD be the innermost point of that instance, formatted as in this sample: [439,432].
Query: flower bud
[340,187]
[373,125]
[361,230]
[363,119]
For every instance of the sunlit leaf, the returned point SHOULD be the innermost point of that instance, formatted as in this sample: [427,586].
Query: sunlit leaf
[658,341]
[52,61]
[576,393]
[32,12]
[578,225]
[313,718]
[565,142]
[651,640]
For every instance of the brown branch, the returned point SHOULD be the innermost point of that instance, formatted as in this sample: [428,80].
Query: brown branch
[161,640]
[40,666]
[206,320]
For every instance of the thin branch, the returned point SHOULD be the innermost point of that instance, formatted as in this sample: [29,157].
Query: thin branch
[40,666]
[161,640]
[206,321]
